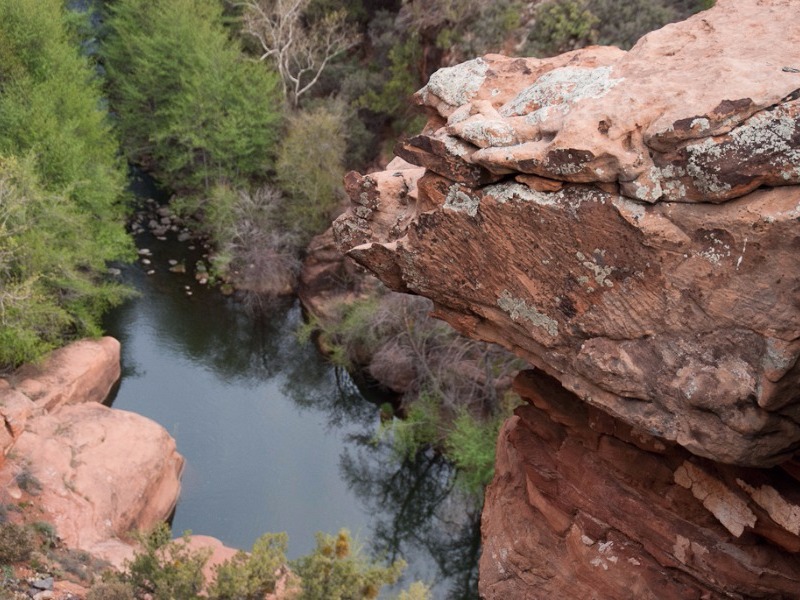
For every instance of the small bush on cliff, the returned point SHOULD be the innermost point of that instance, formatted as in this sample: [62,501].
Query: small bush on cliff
[111,590]
[251,576]
[335,570]
[17,543]
[166,568]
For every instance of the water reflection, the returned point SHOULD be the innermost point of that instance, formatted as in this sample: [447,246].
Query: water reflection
[275,438]
[419,512]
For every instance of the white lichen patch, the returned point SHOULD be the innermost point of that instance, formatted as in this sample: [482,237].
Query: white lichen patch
[519,309]
[460,201]
[769,135]
[508,191]
[784,513]
[561,87]
[457,85]
[629,208]
[716,252]
[729,509]
[600,272]
[457,147]
[488,133]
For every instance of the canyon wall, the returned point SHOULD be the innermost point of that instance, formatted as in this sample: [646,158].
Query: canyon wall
[628,222]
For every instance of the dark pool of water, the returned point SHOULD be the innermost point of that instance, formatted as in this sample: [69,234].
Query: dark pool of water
[275,438]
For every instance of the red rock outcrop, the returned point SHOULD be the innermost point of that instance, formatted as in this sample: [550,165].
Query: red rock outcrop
[591,212]
[586,506]
[628,222]
[94,472]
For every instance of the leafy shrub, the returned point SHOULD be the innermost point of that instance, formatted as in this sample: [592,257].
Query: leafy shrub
[561,25]
[61,185]
[111,590]
[251,576]
[470,444]
[335,570]
[17,543]
[309,168]
[166,568]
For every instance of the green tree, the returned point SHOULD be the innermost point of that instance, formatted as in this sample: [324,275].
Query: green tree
[310,167]
[61,185]
[192,108]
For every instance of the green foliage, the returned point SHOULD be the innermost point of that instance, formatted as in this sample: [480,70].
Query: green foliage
[422,427]
[166,568]
[402,79]
[191,107]
[61,184]
[416,591]
[251,576]
[470,444]
[309,168]
[335,570]
[561,25]
[354,334]
[17,543]
[622,24]
[50,267]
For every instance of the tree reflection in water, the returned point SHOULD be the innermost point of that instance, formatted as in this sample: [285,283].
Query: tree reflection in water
[421,514]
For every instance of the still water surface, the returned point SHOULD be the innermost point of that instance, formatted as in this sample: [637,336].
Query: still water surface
[275,439]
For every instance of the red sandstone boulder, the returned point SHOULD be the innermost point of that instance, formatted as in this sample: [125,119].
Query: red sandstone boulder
[83,371]
[628,222]
[595,213]
[94,472]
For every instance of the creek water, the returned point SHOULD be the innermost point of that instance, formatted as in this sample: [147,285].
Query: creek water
[275,438]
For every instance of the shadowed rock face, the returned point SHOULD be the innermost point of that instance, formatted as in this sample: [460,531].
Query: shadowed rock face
[627,222]
[584,506]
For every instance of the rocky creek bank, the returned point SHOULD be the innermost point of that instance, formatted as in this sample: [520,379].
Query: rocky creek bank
[85,473]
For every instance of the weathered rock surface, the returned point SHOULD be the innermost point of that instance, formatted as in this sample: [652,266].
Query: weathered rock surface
[93,472]
[83,371]
[596,213]
[586,506]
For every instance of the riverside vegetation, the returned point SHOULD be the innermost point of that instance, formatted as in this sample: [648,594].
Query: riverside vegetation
[251,130]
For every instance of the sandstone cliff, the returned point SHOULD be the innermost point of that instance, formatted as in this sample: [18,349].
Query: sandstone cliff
[93,472]
[628,223]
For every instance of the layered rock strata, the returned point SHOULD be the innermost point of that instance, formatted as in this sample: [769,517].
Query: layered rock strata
[93,472]
[626,221]
[629,223]
[586,506]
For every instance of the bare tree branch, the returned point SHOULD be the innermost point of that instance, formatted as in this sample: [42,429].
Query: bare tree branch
[300,51]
